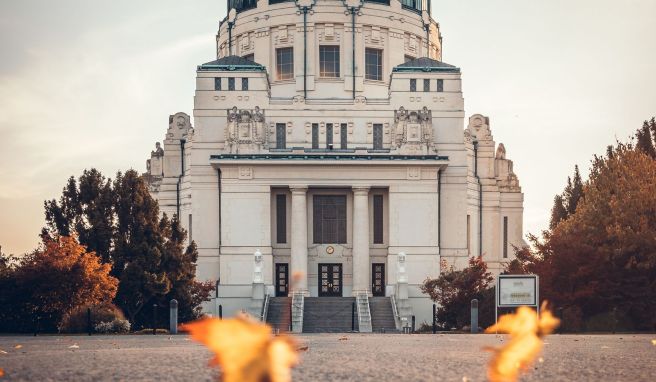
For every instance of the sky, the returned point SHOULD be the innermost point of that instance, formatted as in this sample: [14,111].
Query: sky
[90,83]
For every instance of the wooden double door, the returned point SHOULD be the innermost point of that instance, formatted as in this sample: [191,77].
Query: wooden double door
[378,279]
[330,280]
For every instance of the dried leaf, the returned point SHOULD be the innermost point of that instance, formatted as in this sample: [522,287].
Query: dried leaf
[526,331]
[653,342]
[343,338]
[74,346]
[2,372]
[303,348]
[3,352]
[245,350]
[18,346]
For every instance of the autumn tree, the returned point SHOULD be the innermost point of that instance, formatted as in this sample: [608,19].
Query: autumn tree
[453,291]
[566,203]
[51,281]
[121,221]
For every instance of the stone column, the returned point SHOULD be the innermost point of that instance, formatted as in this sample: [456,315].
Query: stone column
[361,262]
[299,243]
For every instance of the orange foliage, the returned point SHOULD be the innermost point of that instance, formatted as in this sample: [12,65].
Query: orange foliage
[63,275]
[245,350]
[526,331]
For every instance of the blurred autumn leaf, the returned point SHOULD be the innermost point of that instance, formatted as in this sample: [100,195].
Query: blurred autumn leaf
[526,331]
[246,350]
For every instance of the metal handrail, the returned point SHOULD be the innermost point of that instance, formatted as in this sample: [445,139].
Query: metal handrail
[265,308]
[395,311]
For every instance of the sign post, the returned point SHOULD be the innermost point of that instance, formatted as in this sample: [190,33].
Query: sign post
[514,291]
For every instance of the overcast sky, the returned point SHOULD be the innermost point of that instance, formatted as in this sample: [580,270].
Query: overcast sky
[90,83]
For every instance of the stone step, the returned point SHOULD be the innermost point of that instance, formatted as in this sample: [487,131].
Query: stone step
[328,314]
[278,315]
[382,314]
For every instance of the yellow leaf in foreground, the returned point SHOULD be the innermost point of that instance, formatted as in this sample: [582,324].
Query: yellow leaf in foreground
[245,350]
[2,373]
[526,331]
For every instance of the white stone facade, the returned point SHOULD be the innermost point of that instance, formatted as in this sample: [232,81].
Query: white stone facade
[400,159]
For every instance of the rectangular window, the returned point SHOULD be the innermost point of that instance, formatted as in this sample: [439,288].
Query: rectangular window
[329,219]
[373,64]
[440,86]
[426,85]
[281,218]
[329,61]
[468,234]
[329,136]
[505,237]
[217,84]
[315,135]
[231,83]
[191,231]
[285,63]
[281,136]
[378,219]
[413,85]
[378,136]
[342,136]
[250,57]
[244,83]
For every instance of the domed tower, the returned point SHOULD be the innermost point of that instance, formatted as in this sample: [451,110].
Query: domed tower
[328,135]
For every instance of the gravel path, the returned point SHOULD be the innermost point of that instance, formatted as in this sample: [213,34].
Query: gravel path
[362,357]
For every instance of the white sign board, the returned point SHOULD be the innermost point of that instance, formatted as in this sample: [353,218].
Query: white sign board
[517,290]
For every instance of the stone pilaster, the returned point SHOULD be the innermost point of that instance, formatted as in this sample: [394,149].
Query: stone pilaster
[361,263]
[299,245]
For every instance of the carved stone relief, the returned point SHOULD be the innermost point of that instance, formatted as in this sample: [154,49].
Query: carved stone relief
[413,131]
[246,131]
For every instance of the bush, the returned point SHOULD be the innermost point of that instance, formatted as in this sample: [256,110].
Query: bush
[150,331]
[76,320]
[118,326]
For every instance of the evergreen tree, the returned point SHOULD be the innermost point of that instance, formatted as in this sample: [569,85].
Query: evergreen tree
[558,212]
[119,220]
[573,192]
[644,140]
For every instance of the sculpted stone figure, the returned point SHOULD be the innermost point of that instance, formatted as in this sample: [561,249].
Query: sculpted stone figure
[401,273]
[258,116]
[159,151]
[258,275]
[400,115]
[425,114]
[233,114]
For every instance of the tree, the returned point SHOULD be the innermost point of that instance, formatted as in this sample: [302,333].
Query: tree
[558,212]
[453,291]
[573,192]
[644,139]
[600,263]
[121,221]
[51,281]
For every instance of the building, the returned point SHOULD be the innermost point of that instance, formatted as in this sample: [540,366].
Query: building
[330,136]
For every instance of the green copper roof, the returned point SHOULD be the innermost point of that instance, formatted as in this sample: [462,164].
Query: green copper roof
[425,64]
[232,63]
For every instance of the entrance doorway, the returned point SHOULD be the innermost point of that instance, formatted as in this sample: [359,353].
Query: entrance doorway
[282,279]
[378,279]
[330,280]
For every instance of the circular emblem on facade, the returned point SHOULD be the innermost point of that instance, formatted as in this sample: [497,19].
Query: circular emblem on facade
[330,250]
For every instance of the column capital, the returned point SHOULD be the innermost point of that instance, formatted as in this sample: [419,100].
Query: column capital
[298,188]
[361,190]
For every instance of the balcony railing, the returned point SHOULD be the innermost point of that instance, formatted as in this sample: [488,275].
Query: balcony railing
[385,2]
[241,5]
[416,5]
[278,1]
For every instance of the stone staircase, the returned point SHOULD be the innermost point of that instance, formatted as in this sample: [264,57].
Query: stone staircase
[279,315]
[382,315]
[328,315]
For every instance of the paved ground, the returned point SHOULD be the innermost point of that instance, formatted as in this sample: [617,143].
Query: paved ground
[373,357]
